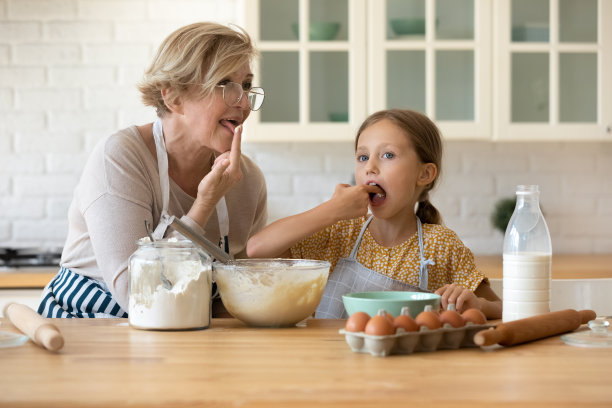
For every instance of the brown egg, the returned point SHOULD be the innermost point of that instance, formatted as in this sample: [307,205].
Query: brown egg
[452,317]
[387,315]
[405,322]
[357,322]
[474,316]
[428,318]
[380,325]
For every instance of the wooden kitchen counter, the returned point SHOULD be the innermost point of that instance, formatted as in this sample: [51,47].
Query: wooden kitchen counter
[564,266]
[25,280]
[105,363]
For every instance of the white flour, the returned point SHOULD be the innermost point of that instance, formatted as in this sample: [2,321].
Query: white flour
[185,306]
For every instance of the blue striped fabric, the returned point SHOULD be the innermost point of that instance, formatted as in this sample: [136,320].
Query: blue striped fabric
[72,295]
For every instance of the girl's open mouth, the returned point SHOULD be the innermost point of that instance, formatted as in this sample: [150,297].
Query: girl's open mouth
[377,198]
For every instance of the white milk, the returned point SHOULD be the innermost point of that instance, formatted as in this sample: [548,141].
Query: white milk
[526,285]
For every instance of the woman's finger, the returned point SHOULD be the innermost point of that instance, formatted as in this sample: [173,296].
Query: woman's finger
[221,157]
[235,151]
[219,167]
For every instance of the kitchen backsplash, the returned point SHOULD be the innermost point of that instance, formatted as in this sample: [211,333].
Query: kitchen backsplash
[574,179]
[67,75]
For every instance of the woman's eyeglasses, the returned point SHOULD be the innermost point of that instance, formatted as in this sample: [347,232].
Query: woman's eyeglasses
[232,95]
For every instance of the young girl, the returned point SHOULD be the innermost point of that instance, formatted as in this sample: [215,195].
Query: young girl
[398,160]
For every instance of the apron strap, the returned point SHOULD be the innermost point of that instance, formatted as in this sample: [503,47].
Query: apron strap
[223,217]
[353,254]
[423,275]
[164,178]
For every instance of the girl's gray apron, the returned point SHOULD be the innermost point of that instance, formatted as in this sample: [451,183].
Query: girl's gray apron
[72,295]
[350,276]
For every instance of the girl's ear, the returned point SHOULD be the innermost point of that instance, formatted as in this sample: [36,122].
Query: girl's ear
[428,174]
[173,101]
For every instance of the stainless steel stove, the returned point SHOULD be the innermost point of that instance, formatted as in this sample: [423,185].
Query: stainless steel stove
[29,257]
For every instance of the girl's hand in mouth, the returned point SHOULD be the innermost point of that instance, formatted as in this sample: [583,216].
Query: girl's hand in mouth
[352,201]
[377,197]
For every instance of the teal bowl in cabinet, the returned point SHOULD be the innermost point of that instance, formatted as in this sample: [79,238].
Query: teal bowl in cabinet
[408,26]
[318,30]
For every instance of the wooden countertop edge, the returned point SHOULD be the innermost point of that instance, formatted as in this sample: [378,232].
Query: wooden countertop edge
[25,280]
[595,266]
[564,266]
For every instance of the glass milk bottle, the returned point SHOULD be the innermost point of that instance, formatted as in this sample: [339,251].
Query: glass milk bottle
[527,258]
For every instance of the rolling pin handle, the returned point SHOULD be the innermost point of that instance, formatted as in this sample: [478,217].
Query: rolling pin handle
[37,328]
[587,315]
[488,337]
[49,337]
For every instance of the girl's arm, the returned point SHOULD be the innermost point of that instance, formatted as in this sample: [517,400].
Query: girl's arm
[490,303]
[277,238]
[482,298]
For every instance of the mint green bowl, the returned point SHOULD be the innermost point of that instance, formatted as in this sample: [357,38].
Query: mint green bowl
[392,302]
[318,30]
[408,26]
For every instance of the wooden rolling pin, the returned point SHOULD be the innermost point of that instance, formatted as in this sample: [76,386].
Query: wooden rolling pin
[37,328]
[534,328]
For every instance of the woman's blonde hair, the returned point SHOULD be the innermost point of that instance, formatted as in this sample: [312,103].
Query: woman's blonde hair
[427,142]
[197,54]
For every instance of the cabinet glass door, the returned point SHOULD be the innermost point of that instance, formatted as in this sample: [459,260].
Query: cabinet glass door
[578,89]
[530,21]
[435,60]
[273,28]
[283,86]
[550,55]
[455,19]
[329,86]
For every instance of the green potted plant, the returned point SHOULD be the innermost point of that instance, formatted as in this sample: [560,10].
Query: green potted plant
[504,207]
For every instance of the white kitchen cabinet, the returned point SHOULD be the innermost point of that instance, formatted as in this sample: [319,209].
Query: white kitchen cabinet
[315,82]
[440,67]
[553,66]
[482,69]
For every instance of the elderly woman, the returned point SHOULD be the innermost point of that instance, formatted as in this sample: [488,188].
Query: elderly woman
[187,163]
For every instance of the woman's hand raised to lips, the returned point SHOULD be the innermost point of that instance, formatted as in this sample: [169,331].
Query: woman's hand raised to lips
[353,201]
[224,174]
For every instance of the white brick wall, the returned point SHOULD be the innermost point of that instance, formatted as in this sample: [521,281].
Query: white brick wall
[574,179]
[67,75]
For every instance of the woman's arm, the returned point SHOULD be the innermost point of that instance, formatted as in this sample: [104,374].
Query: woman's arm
[114,224]
[223,175]
[277,238]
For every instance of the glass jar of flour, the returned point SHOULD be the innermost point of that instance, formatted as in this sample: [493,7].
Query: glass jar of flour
[170,285]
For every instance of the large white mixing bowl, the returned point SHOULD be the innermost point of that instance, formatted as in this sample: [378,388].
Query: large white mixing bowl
[271,292]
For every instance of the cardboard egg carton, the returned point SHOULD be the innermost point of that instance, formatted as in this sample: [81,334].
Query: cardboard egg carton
[403,342]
